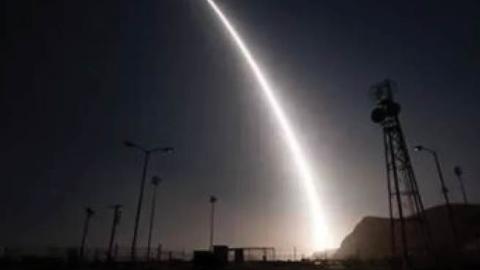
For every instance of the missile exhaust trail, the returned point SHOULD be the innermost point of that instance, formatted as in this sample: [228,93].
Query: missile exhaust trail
[320,237]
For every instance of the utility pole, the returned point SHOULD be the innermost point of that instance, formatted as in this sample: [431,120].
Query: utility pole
[133,251]
[88,214]
[116,220]
[213,200]
[155,182]
[459,173]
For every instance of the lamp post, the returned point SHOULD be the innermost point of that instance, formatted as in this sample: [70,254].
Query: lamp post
[88,215]
[116,220]
[420,148]
[213,200]
[155,182]
[147,153]
[459,173]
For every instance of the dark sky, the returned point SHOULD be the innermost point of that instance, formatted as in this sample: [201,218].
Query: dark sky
[80,77]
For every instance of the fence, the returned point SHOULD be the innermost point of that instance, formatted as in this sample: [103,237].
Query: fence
[123,254]
[119,254]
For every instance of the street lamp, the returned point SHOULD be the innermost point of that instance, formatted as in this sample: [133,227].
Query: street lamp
[117,213]
[459,173]
[213,200]
[147,153]
[88,215]
[155,182]
[420,148]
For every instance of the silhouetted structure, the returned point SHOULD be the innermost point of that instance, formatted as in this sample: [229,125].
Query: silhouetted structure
[88,214]
[213,200]
[220,255]
[117,213]
[401,182]
[147,153]
[450,213]
[241,254]
[155,182]
[370,239]
[459,173]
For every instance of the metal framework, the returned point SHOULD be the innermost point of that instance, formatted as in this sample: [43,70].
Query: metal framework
[242,254]
[405,203]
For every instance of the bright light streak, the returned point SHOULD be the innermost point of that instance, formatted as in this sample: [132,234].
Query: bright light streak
[321,239]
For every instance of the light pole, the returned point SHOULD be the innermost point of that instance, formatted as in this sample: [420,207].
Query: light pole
[155,182]
[117,213]
[213,200]
[147,153]
[444,188]
[459,173]
[88,214]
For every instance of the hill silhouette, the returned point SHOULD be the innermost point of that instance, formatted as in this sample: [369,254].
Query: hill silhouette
[371,237]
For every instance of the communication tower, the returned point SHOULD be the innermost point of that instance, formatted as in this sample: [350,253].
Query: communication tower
[405,203]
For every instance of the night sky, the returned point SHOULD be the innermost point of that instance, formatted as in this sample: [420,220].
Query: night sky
[80,77]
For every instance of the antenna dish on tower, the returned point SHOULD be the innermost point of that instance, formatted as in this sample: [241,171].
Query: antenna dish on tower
[383,90]
[382,94]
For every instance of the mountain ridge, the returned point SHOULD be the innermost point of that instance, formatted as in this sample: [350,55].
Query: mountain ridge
[371,237]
